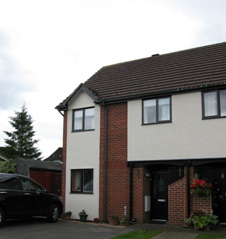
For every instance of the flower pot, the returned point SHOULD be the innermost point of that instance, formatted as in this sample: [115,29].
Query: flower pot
[65,216]
[83,217]
[96,220]
[114,221]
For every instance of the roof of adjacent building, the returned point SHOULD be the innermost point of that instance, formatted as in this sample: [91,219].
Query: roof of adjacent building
[38,164]
[192,69]
[56,156]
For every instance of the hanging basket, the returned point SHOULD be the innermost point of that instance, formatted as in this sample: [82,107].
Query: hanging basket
[200,188]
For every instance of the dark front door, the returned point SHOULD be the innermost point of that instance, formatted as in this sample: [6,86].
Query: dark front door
[219,193]
[159,198]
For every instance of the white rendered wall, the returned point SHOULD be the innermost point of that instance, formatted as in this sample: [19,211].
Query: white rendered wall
[187,137]
[83,153]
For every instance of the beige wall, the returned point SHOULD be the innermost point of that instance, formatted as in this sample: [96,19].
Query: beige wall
[82,153]
[187,137]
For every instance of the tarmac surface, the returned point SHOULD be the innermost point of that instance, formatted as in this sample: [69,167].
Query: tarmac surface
[39,228]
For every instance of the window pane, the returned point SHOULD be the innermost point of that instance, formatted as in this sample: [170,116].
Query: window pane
[76,180]
[210,104]
[89,119]
[78,115]
[88,180]
[29,186]
[12,183]
[223,102]
[164,109]
[149,111]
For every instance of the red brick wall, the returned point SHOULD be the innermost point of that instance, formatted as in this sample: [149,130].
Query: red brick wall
[117,171]
[138,194]
[201,203]
[101,178]
[177,201]
[63,183]
[177,196]
[141,187]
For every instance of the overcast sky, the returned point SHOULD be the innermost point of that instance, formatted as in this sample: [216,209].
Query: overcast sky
[48,47]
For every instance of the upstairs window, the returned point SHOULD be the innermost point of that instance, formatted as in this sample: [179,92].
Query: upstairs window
[83,119]
[214,104]
[157,110]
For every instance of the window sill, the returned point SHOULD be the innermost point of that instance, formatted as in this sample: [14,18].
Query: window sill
[213,117]
[81,193]
[161,122]
[77,131]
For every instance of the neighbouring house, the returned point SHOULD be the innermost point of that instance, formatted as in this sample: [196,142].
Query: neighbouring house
[56,156]
[137,134]
[47,172]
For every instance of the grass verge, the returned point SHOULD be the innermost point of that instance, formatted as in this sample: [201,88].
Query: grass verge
[139,234]
[210,236]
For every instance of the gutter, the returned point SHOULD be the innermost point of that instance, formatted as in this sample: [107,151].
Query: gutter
[59,109]
[60,112]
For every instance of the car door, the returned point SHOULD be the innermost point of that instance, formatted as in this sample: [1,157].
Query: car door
[11,195]
[32,197]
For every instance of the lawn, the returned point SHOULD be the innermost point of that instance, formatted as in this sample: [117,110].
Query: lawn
[139,234]
[146,234]
[210,236]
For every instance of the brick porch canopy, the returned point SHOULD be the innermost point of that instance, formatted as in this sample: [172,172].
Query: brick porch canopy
[188,70]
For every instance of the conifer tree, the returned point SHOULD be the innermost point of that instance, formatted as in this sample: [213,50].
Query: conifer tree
[20,142]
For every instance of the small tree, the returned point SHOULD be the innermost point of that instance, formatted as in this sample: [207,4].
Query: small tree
[20,142]
[8,166]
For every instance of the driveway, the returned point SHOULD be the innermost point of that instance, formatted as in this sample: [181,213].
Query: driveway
[39,228]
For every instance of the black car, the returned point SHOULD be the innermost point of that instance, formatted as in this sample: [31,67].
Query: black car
[21,197]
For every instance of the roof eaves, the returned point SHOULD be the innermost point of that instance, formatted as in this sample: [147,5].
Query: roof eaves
[164,93]
[64,105]
[82,87]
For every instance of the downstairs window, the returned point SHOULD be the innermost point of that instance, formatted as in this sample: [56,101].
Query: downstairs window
[82,181]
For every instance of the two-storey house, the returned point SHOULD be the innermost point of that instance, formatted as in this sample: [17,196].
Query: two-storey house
[137,134]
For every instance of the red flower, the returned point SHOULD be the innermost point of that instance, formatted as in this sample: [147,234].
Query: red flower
[200,188]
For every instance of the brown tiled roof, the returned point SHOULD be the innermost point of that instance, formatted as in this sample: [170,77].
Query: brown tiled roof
[191,69]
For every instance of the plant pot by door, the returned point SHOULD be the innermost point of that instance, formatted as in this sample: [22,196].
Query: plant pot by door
[96,220]
[114,221]
[83,217]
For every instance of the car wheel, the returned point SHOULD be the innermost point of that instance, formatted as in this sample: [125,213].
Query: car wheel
[53,213]
[2,216]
